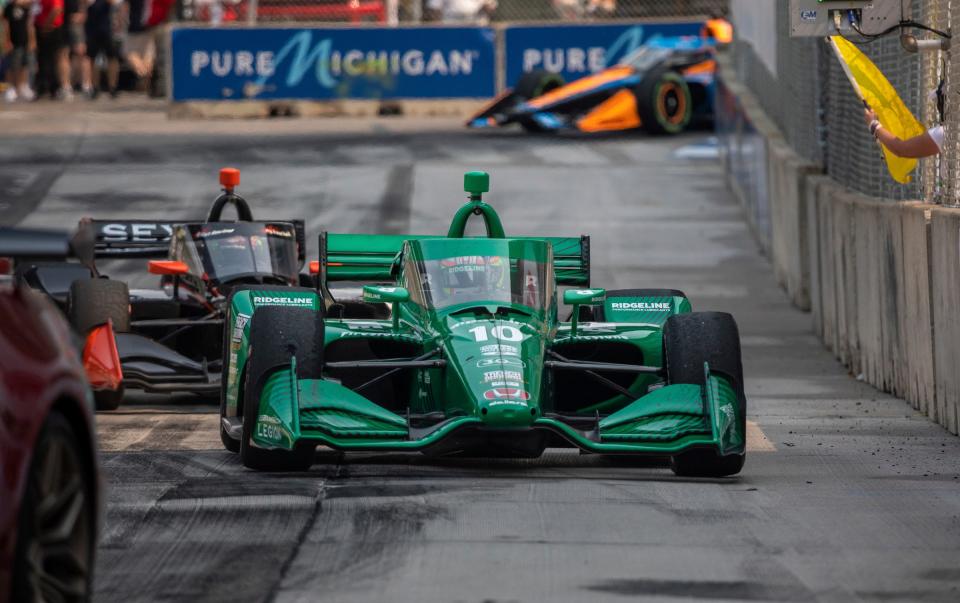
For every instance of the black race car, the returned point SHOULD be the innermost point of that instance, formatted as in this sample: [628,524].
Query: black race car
[170,339]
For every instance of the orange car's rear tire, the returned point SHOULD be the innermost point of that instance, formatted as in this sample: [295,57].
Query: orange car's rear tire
[664,102]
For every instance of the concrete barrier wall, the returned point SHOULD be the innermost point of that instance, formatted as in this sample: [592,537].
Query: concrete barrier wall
[918,381]
[881,278]
[788,220]
[945,293]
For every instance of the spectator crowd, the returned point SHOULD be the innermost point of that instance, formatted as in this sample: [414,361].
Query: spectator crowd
[64,48]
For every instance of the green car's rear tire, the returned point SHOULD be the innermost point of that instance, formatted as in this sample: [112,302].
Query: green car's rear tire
[689,340]
[664,102]
[276,334]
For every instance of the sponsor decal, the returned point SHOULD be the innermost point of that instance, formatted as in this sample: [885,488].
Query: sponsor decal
[137,233]
[502,376]
[213,233]
[575,50]
[268,428]
[508,403]
[808,15]
[501,393]
[273,231]
[238,324]
[488,362]
[364,326]
[332,64]
[499,349]
[649,306]
[327,63]
[232,371]
[596,295]
[601,338]
[727,410]
[370,334]
[283,301]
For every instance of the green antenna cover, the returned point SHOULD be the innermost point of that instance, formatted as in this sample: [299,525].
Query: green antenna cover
[476,183]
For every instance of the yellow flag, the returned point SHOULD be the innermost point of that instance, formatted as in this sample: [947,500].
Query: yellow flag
[871,86]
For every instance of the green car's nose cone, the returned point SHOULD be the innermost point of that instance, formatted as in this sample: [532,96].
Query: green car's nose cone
[476,183]
[508,413]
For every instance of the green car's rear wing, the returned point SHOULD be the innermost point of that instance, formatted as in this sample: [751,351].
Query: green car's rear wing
[367,257]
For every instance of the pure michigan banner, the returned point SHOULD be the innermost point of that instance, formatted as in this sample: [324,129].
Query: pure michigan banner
[332,63]
[577,50]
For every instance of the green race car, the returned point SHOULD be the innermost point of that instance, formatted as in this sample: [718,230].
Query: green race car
[460,350]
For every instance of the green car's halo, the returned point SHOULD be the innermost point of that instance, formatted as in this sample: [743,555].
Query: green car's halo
[456,346]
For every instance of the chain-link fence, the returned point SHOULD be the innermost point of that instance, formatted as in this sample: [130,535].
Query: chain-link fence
[443,11]
[806,93]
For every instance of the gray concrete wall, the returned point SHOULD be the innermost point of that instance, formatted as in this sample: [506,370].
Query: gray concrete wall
[881,278]
[945,298]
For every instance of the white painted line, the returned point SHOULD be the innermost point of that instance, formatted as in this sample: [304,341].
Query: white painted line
[757,440]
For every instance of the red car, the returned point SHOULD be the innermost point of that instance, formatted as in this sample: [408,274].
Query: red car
[50,496]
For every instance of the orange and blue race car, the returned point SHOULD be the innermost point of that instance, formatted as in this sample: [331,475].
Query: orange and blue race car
[663,86]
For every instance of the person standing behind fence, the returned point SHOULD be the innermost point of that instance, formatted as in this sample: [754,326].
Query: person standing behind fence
[53,61]
[19,44]
[76,17]
[140,48]
[103,43]
[461,11]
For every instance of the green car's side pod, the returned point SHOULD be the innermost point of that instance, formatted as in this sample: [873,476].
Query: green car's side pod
[473,359]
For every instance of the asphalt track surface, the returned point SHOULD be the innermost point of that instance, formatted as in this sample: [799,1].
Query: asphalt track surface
[847,494]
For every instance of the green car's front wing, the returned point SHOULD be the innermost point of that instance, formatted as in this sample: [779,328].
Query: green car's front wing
[296,412]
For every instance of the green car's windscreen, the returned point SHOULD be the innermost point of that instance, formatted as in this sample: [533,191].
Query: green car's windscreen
[484,271]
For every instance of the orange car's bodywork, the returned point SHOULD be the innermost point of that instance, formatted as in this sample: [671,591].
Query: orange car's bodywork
[612,99]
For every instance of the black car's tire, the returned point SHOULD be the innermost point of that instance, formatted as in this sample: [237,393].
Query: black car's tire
[537,83]
[59,479]
[229,443]
[92,301]
[276,334]
[108,399]
[598,311]
[689,340]
[664,102]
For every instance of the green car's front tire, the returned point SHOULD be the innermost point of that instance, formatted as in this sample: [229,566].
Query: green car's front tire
[689,340]
[706,463]
[229,443]
[278,333]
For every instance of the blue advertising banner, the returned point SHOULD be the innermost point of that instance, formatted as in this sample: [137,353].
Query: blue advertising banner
[578,50]
[332,63]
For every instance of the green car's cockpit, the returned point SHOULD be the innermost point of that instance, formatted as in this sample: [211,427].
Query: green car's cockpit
[227,251]
[449,272]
